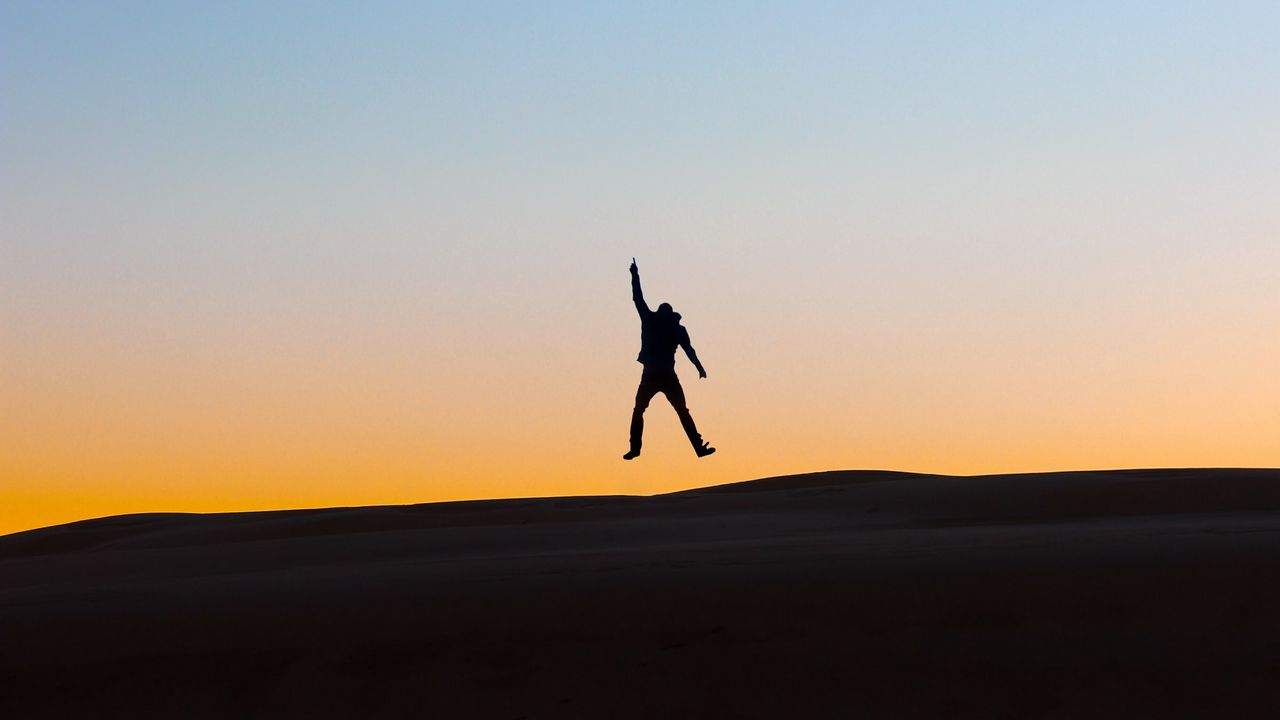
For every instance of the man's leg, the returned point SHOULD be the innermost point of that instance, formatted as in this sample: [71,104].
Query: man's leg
[644,394]
[675,394]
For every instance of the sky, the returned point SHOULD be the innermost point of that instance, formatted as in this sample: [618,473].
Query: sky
[278,255]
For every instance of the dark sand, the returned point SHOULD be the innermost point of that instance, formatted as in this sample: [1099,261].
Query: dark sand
[844,594]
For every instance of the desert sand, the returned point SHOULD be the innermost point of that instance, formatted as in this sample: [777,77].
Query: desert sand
[1151,593]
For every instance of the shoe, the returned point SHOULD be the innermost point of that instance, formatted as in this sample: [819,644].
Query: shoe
[631,455]
[705,450]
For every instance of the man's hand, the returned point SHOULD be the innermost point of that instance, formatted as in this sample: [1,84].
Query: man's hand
[634,269]
[702,373]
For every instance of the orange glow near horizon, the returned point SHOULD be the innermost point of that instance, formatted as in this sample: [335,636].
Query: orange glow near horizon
[110,429]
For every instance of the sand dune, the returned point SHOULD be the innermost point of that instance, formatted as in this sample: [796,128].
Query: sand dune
[839,594]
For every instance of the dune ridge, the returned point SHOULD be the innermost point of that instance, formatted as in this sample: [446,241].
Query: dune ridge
[1023,497]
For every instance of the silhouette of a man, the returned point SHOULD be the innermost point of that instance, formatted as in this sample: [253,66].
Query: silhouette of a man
[660,334]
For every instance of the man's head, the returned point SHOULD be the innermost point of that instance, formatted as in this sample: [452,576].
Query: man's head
[666,314]
[665,309]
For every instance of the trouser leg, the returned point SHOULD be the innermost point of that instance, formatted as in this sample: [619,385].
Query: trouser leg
[644,394]
[637,428]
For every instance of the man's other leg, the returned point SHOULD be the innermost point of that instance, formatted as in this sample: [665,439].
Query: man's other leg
[675,394]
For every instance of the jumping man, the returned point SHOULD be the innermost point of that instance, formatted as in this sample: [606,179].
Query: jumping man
[660,334]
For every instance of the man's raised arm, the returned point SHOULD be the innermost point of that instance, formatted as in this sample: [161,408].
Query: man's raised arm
[636,294]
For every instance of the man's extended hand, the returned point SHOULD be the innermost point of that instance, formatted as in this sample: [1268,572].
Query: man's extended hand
[702,373]
[634,269]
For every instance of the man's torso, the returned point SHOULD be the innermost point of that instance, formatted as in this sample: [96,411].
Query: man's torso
[658,342]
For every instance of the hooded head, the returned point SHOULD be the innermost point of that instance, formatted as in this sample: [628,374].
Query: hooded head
[665,312]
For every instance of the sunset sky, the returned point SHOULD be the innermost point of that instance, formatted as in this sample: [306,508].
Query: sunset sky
[275,255]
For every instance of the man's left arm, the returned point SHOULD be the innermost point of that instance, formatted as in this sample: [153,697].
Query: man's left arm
[693,354]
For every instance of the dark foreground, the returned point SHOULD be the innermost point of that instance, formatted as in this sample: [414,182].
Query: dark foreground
[845,594]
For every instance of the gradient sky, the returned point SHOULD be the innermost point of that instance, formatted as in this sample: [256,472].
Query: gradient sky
[267,255]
